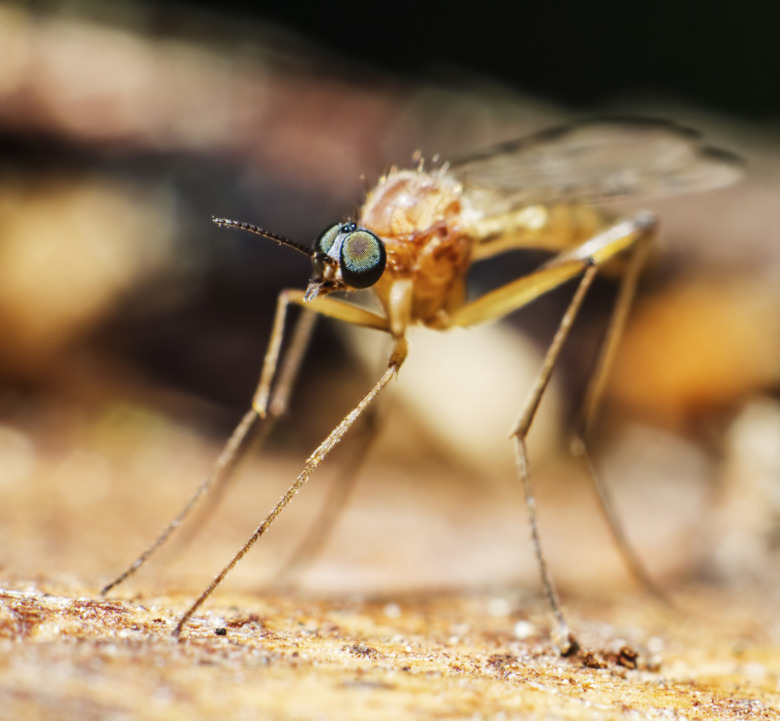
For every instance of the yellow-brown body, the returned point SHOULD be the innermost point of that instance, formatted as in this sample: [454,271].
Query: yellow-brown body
[433,231]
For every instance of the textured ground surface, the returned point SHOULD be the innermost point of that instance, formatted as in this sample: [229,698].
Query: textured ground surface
[373,649]
[438,657]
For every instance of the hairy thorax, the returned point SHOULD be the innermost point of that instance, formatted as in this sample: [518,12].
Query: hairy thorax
[418,216]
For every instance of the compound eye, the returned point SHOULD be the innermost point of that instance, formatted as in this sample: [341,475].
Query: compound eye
[327,237]
[363,258]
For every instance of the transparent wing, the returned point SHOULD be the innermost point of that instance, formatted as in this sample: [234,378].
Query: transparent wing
[596,162]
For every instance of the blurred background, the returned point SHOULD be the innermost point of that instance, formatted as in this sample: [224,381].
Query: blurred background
[132,330]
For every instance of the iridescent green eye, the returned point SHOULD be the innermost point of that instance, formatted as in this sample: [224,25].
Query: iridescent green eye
[363,258]
[359,252]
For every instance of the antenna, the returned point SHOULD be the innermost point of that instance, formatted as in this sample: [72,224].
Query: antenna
[280,239]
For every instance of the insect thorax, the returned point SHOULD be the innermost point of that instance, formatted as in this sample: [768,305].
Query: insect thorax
[417,215]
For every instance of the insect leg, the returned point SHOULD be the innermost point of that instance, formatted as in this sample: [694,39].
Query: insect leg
[237,442]
[220,471]
[565,266]
[593,395]
[584,260]
[277,407]
[314,460]
[563,638]
[344,483]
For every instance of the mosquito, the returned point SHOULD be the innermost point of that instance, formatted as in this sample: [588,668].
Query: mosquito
[413,242]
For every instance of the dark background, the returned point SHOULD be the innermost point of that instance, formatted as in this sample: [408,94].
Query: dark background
[725,55]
